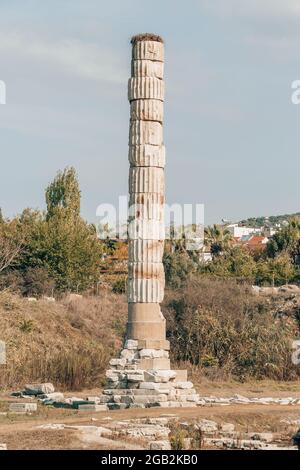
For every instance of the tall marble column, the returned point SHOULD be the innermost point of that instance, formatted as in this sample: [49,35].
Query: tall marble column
[142,375]
[146,280]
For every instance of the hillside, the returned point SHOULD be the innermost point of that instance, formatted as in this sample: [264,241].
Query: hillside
[257,222]
[217,328]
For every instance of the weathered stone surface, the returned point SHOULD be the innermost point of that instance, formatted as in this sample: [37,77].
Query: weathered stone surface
[145,290]
[159,445]
[147,155]
[147,68]
[3,446]
[227,427]
[146,133]
[159,375]
[127,354]
[183,385]
[117,362]
[146,251]
[146,230]
[206,425]
[148,50]
[157,363]
[146,271]
[57,396]
[131,344]
[135,377]
[91,408]
[22,407]
[146,88]
[146,110]
[154,344]
[37,389]
[146,180]
[146,206]
[151,353]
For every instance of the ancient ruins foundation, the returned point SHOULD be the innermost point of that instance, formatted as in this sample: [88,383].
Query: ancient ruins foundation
[142,375]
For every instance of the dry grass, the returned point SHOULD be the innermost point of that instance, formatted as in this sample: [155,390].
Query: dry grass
[68,344]
[226,332]
[219,331]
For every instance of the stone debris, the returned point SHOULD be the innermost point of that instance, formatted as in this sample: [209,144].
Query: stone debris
[205,425]
[88,407]
[239,399]
[22,407]
[38,389]
[130,386]
[155,434]
[227,427]
[287,289]
[54,426]
[159,445]
[243,444]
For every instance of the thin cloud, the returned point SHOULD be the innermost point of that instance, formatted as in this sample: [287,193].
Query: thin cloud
[85,60]
[266,9]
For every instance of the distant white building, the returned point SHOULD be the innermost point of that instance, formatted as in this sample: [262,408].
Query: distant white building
[239,232]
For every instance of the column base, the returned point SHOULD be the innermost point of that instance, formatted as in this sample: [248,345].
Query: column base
[143,378]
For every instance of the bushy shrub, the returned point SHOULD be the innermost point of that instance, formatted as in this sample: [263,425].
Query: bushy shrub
[219,324]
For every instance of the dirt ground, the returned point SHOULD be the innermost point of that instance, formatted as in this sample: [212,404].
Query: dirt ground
[21,432]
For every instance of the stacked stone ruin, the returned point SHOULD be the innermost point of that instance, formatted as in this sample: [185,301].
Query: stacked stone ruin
[142,375]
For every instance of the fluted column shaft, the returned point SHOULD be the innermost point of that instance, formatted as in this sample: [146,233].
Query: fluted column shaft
[146,279]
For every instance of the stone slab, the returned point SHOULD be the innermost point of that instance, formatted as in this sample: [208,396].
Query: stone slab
[22,407]
[95,407]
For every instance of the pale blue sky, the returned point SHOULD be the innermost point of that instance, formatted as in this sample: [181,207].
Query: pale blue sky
[231,131]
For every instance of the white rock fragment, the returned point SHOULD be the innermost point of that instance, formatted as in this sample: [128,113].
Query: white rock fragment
[159,445]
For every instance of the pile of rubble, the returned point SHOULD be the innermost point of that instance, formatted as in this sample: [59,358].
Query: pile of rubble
[133,383]
[158,434]
[240,400]
[131,387]
[45,394]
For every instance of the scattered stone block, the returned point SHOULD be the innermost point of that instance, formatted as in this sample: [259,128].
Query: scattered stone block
[22,407]
[206,425]
[56,396]
[127,354]
[135,377]
[227,427]
[117,362]
[183,385]
[131,344]
[39,389]
[159,445]
[92,407]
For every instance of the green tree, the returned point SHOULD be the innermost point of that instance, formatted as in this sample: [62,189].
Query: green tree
[218,238]
[275,271]
[287,240]
[237,262]
[60,241]
[179,267]
[63,194]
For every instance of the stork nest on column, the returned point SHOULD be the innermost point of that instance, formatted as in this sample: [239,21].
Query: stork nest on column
[146,37]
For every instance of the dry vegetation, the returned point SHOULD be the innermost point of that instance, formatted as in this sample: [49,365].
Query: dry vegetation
[225,331]
[67,343]
[218,329]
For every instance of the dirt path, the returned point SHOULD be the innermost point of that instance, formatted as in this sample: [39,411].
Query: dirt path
[208,412]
